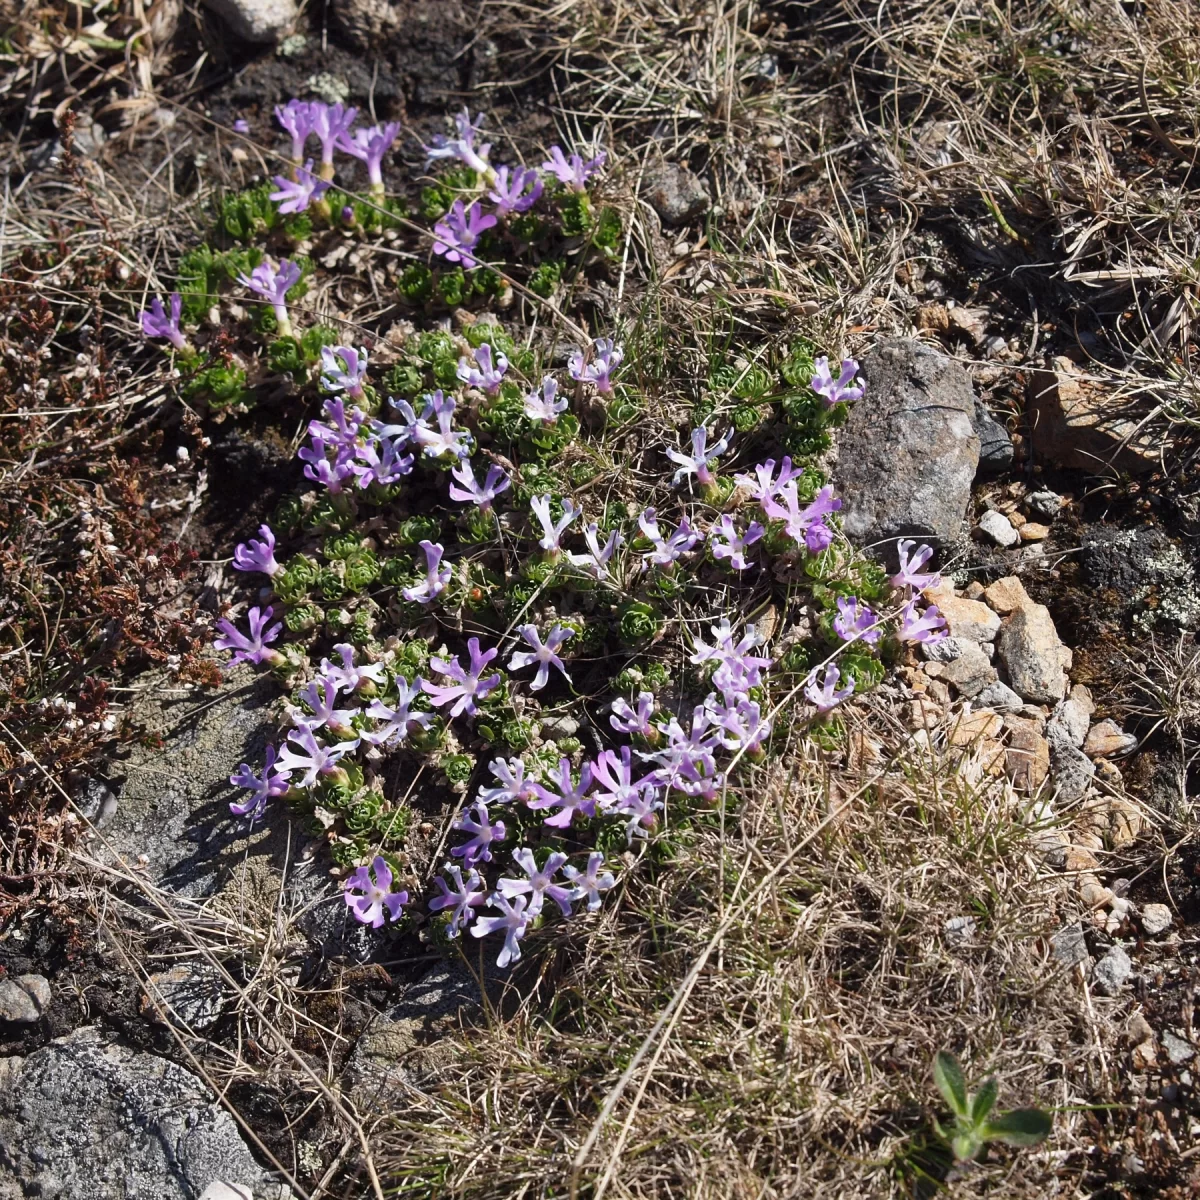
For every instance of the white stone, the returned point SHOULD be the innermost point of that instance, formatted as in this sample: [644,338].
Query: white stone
[259,21]
[999,528]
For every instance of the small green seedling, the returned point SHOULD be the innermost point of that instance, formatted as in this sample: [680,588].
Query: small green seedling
[974,1126]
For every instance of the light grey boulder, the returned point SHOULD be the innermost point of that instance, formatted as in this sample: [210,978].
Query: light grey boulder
[258,21]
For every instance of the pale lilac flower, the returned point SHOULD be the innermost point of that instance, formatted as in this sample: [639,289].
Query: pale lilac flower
[329,123]
[514,921]
[295,195]
[340,427]
[805,524]
[483,373]
[351,678]
[404,432]
[296,117]
[541,405]
[763,485]
[688,755]
[742,725]
[642,811]
[608,358]
[572,172]
[468,688]
[545,654]
[627,719]
[464,896]
[515,787]
[910,574]
[539,883]
[670,549]
[272,284]
[738,670]
[399,721]
[480,494]
[457,234]
[478,847]
[590,883]
[321,696]
[312,757]
[241,125]
[928,627]
[515,190]
[834,391]
[726,542]
[370,899]
[827,696]
[257,556]
[369,146]
[262,787]
[343,369]
[700,460]
[445,439]
[252,649]
[570,797]
[331,474]
[596,560]
[699,779]
[552,531]
[463,147]
[380,462]
[156,323]
[614,777]
[855,620]
[436,578]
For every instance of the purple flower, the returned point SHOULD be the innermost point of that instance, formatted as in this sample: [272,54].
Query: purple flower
[514,921]
[480,494]
[543,653]
[641,809]
[910,574]
[380,462]
[688,755]
[296,117]
[541,405]
[818,537]
[329,123]
[468,687]
[827,696]
[590,883]
[596,560]
[737,669]
[517,191]
[763,484]
[241,125]
[570,797]
[340,427]
[457,234]
[262,787]
[463,147]
[343,369]
[539,882]
[614,776]
[700,460]
[369,146]
[801,520]
[552,531]
[444,440]
[483,373]
[572,172]
[670,549]
[399,721]
[607,359]
[742,725]
[272,284]
[478,847]
[369,899]
[928,627]
[461,898]
[436,576]
[349,677]
[406,431]
[257,556]
[726,542]
[320,469]
[515,787]
[854,621]
[627,719]
[313,758]
[252,649]
[321,697]
[295,195]
[156,323]
[834,391]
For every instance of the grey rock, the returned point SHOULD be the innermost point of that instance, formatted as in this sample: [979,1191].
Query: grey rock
[947,650]
[1045,503]
[959,931]
[85,1118]
[1156,919]
[1178,1049]
[1073,770]
[675,193]
[1145,570]
[23,999]
[1069,946]
[95,801]
[1068,723]
[258,21]
[999,528]
[561,726]
[189,995]
[908,452]
[995,445]
[1000,697]
[1032,655]
[1112,971]
[970,672]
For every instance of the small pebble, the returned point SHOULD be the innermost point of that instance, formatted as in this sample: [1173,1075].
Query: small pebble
[1045,503]
[1178,1050]
[1112,971]
[1032,532]
[1156,919]
[998,528]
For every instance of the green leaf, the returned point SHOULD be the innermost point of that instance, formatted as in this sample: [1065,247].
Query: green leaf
[966,1145]
[1021,1127]
[948,1076]
[984,1101]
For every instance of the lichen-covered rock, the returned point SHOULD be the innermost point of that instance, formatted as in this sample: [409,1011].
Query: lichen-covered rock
[1106,739]
[908,452]
[675,193]
[1145,571]
[1030,650]
[258,21]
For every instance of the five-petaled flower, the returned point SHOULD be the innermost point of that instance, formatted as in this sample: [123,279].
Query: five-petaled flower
[311,757]
[156,323]
[483,372]
[371,899]
[516,189]
[296,117]
[855,621]
[256,555]
[539,883]
[569,798]
[572,172]
[701,458]
[468,688]
[380,462]
[396,721]
[436,576]
[364,677]
[910,574]
[295,195]
[262,787]
[540,404]
[343,369]
[480,494]
[607,359]
[667,550]
[727,543]
[928,627]
[463,147]
[329,123]
[764,484]
[514,921]
[445,440]
[545,654]
[552,531]
[515,786]
[460,899]
[478,847]
[369,146]
[834,391]
[805,523]
[456,235]
[827,695]
[272,284]
[628,719]
[321,696]
[597,558]
[743,727]
[254,648]
[589,884]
